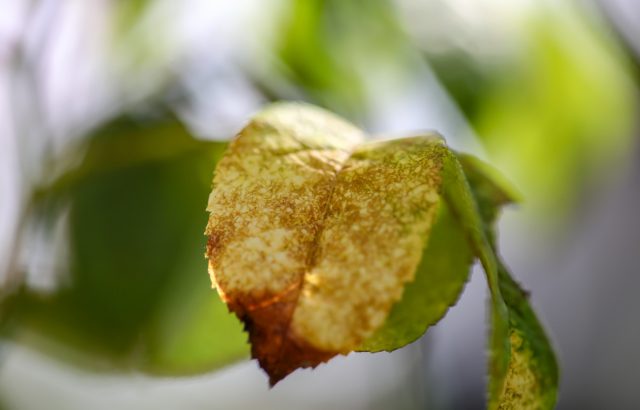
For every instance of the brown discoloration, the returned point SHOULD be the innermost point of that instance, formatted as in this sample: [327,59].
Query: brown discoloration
[278,350]
[376,225]
[310,244]
[269,200]
[267,319]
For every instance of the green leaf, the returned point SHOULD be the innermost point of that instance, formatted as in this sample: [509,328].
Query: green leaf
[442,272]
[439,280]
[562,82]
[136,295]
[531,380]
[459,196]
[490,190]
[522,365]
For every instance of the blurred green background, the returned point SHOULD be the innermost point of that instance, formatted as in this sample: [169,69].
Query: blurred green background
[114,113]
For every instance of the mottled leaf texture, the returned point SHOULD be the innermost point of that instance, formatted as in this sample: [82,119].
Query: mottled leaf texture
[324,244]
[439,279]
[313,234]
[531,379]
[460,197]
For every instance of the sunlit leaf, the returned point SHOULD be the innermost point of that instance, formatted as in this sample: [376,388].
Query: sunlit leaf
[438,282]
[443,270]
[314,235]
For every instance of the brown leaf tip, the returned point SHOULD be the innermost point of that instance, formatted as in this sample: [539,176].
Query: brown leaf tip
[278,351]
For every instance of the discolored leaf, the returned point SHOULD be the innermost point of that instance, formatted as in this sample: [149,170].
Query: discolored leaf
[312,236]
[315,239]
[317,242]
[460,197]
[439,279]
[531,379]
[445,264]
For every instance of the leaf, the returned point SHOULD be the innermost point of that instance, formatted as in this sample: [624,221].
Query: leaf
[133,296]
[309,60]
[444,267]
[439,279]
[532,378]
[531,381]
[458,194]
[489,189]
[313,236]
[302,221]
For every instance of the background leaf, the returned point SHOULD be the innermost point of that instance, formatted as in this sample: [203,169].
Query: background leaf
[136,296]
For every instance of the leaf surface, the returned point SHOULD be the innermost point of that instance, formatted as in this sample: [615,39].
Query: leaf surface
[133,296]
[531,378]
[323,244]
[439,280]
[313,235]
[461,199]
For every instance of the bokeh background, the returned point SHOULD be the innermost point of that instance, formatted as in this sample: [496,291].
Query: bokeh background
[113,114]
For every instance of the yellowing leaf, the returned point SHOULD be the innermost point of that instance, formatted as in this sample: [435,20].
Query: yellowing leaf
[312,237]
[323,244]
[446,261]
[461,199]
[530,380]
[438,282]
